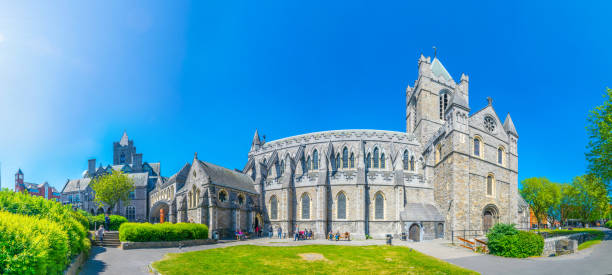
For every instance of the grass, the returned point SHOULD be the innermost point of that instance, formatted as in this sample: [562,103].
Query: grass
[250,259]
[588,244]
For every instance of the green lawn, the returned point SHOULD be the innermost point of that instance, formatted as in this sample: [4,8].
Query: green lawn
[250,259]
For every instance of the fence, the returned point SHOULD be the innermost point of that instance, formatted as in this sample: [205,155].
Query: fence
[468,234]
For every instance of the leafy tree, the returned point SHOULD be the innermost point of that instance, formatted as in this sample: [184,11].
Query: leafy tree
[600,140]
[536,192]
[568,203]
[553,213]
[592,199]
[112,188]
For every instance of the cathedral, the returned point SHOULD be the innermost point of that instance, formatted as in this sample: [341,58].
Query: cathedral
[452,171]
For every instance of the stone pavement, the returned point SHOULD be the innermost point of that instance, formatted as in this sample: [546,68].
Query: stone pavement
[595,260]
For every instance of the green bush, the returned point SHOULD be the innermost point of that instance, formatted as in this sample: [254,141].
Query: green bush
[115,221]
[71,222]
[32,245]
[505,240]
[146,232]
[609,224]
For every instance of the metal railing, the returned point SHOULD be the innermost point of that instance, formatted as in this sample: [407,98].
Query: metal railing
[468,234]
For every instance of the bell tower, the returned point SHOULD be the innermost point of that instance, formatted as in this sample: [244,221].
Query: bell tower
[19,181]
[431,95]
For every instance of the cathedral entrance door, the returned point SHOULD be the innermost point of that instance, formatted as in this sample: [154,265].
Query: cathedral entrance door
[414,233]
[489,218]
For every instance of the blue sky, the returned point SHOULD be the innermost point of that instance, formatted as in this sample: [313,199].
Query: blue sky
[202,76]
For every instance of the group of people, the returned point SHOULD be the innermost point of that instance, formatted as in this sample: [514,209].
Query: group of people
[242,235]
[302,234]
[102,228]
[334,236]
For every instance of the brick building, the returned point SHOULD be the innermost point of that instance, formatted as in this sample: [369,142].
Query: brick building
[42,190]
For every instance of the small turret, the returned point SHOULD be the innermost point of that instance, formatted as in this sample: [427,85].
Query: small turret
[256,141]
[509,126]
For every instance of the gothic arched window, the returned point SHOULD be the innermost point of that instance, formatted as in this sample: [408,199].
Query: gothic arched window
[308,164]
[338,161]
[130,213]
[490,184]
[412,163]
[443,103]
[352,160]
[341,206]
[315,160]
[222,196]
[477,146]
[376,156]
[382,160]
[122,158]
[369,161]
[500,155]
[379,205]
[305,206]
[405,160]
[345,158]
[273,208]
[282,167]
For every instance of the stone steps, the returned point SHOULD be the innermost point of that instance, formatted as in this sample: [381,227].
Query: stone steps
[110,239]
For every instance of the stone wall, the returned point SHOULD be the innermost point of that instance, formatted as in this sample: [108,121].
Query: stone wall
[565,244]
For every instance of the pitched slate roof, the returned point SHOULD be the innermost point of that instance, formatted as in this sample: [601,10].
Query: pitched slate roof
[71,185]
[179,178]
[140,179]
[420,212]
[225,177]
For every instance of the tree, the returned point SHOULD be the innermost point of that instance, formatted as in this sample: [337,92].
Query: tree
[568,203]
[553,214]
[600,140]
[592,198]
[536,192]
[112,188]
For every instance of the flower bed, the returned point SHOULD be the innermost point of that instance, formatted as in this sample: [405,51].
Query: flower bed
[38,236]
[146,232]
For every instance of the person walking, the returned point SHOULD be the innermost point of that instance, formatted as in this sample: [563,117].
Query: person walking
[296,235]
[279,232]
[100,234]
[107,222]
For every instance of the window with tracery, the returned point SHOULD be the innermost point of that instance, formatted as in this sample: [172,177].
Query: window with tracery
[341,206]
[489,124]
[345,158]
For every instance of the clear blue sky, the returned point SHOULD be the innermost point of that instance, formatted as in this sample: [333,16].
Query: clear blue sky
[202,76]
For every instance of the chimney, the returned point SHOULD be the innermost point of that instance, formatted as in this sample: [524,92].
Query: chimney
[137,164]
[91,167]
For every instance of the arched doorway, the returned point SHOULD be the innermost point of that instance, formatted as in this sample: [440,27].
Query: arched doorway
[258,222]
[156,210]
[414,233]
[440,230]
[100,211]
[490,216]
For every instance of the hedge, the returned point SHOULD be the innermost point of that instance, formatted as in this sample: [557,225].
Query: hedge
[146,232]
[96,221]
[609,224]
[71,222]
[505,240]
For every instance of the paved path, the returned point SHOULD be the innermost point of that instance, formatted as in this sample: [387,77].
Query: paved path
[595,260]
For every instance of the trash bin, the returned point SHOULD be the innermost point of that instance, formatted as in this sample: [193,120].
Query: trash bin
[403,236]
[215,236]
[389,238]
